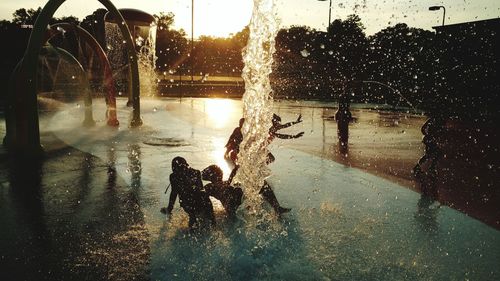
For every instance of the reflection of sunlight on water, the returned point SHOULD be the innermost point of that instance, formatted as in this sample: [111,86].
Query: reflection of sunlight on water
[219,111]
[218,156]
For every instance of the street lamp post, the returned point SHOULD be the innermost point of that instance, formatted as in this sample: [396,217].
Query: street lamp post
[436,8]
[192,40]
[329,13]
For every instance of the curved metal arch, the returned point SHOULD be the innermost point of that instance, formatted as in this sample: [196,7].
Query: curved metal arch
[109,82]
[27,134]
[62,53]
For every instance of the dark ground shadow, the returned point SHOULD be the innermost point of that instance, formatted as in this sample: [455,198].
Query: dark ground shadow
[69,217]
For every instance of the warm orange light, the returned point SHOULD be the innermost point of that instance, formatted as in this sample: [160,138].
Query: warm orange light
[219,112]
[218,156]
[222,17]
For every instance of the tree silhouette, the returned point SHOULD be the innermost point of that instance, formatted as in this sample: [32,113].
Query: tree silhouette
[25,17]
[94,24]
[403,58]
[348,42]
[171,45]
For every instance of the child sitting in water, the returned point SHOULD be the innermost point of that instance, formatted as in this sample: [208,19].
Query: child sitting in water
[186,183]
[229,196]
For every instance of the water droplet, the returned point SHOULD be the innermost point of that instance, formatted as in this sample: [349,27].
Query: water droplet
[137,169]
[305,53]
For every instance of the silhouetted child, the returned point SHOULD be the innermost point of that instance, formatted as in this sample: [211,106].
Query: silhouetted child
[343,116]
[432,131]
[233,144]
[186,183]
[229,196]
[232,150]
[266,190]
[273,132]
[268,195]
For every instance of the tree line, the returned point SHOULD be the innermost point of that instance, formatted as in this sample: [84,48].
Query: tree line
[398,65]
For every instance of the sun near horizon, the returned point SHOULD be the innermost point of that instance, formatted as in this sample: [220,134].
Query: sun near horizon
[216,18]
[220,18]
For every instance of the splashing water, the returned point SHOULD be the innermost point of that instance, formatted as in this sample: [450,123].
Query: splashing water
[145,42]
[147,63]
[257,100]
[117,55]
[394,90]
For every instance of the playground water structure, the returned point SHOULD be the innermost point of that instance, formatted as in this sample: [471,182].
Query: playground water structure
[143,30]
[23,133]
[103,190]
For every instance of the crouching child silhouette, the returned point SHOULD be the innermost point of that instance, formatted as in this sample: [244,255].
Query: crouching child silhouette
[186,183]
[229,196]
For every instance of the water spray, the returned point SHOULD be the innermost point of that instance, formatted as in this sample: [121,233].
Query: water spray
[393,89]
[257,99]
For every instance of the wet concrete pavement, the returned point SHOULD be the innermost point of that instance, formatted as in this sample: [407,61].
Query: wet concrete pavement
[93,212]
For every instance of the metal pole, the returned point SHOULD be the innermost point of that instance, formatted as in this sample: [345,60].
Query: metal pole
[435,8]
[330,14]
[444,13]
[192,39]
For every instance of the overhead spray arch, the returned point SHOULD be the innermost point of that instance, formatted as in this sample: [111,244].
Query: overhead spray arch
[109,82]
[23,131]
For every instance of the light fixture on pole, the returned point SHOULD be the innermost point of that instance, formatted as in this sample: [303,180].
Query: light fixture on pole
[437,8]
[329,13]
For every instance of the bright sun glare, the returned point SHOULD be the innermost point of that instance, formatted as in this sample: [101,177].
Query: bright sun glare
[220,18]
[218,156]
[219,111]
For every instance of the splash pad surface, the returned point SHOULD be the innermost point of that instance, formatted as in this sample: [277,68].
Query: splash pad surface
[345,224]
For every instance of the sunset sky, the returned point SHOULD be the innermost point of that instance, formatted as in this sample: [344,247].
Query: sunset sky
[222,17]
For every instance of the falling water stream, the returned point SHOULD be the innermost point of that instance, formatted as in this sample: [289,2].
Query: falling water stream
[147,61]
[145,42]
[257,100]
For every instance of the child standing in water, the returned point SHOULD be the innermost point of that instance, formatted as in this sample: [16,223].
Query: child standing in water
[432,130]
[232,150]
[233,144]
